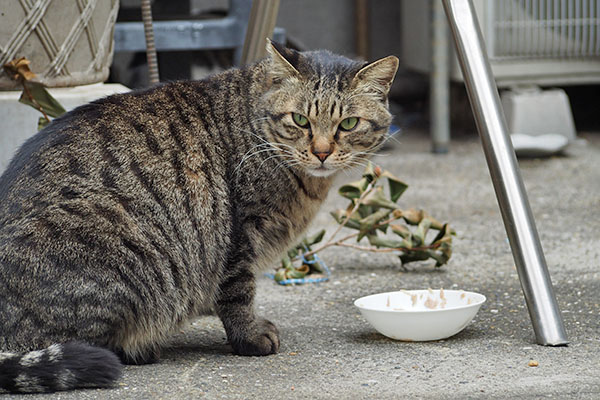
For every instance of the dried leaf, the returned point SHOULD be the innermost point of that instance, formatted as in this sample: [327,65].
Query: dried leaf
[435,224]
[298,273]
[445,234]
[397,213]
[401,230]
[18,69]
[412,216]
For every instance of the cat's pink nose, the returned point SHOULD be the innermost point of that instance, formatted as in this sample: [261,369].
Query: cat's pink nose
[321,148]
[322,155]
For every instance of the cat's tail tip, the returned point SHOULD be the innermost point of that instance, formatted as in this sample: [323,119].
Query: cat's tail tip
[67,366]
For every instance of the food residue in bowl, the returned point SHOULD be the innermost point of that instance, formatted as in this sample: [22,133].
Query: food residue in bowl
[432,300]
[431,303]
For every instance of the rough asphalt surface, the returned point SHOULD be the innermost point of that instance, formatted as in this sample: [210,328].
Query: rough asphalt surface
[329,352]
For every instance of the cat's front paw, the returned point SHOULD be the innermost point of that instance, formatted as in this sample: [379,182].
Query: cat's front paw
[261,339]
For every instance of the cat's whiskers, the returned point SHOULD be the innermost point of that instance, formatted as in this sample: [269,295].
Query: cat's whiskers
[289,164]
[390,136]
[371,154]
[266,146]
[253,152]
[355,163]
[272,156]
[372,151]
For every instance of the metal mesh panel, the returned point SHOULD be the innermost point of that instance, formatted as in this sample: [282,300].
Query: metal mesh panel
[542,29]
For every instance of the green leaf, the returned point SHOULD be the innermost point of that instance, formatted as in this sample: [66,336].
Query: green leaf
[298,273]
[316,238]
[364,211]
[440,258]
[414,256]
[444,233]
[340,216]
[384,242]
[42,97]
[309,258]
[316,267]
[280,275]
[42,123]
[377,198]
[397,187]
[369,173]
[446,249]
[368,223]
[293,252]
[421,231]
[286,262]
[401,230]
[353,190]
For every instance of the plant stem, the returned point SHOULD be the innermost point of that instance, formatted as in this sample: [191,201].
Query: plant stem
[387,250]
[368,189]
[340,242]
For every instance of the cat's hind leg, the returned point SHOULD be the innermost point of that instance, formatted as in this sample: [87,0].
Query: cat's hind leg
[248,334]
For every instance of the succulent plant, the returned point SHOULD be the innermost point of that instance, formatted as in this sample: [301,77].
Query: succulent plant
[376,217]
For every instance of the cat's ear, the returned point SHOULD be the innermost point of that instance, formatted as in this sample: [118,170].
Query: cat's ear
[377,75]
[284,61]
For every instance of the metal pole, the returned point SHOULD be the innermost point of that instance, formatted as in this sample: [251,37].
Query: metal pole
[502,163]
[439,81]
[263,16]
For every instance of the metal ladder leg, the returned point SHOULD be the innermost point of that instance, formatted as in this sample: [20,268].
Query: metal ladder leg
[508,184]
[439,81]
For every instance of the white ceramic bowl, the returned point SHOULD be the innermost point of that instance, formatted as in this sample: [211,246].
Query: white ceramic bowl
[420,315]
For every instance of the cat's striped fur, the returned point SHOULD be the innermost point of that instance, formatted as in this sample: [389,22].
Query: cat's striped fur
[128,216]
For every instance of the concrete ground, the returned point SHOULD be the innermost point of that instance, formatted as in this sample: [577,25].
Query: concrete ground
[329,352]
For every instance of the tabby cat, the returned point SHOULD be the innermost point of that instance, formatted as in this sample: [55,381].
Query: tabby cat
[131,215]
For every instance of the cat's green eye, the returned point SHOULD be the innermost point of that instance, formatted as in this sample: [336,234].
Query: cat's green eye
[349,123]
[300,120]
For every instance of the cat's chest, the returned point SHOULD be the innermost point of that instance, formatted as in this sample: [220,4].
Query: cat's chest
[275,229]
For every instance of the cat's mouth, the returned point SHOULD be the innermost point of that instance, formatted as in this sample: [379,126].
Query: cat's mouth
[322,171]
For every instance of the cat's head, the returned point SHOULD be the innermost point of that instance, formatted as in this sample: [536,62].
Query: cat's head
[326,112]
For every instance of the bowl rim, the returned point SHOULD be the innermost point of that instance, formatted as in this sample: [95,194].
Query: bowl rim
[477,303]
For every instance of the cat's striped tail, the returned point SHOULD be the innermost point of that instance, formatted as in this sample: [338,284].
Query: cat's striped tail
[59,367]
